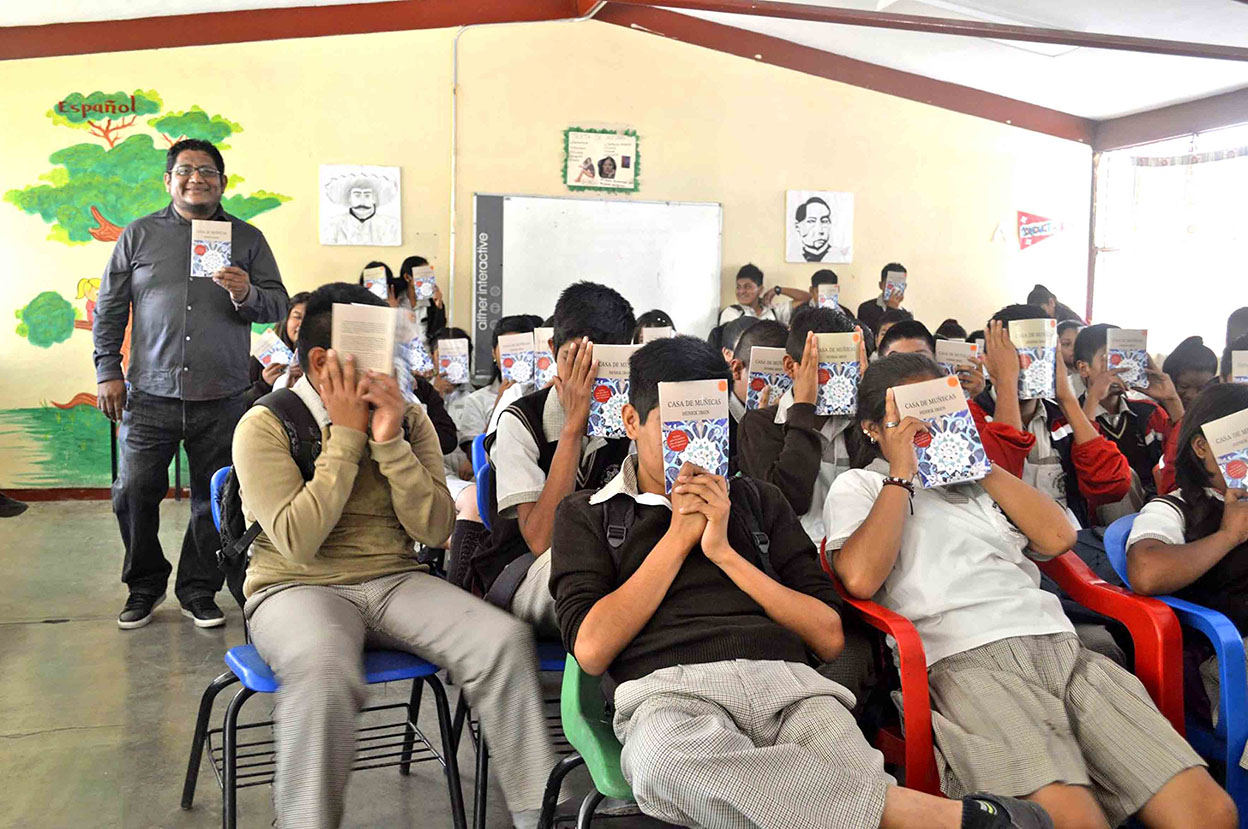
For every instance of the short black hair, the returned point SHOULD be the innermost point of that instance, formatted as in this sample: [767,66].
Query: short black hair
[318,315]
[880,376]
[1039,295]
[1010,313]
[671,360]
[196,145]
[1190,355]
[411,263]
[733,330]
[892,316]
[450,333]
[818,320]
[1228,354]
[823,276]
[654,318]
[977,334]
[950,329]
[1091,340]
[800,213]
[1237,324]
[891,266]
[588,309]
[375,264]
[279,328]
[907,330]
[767,333]
[1066,325]
[751,272]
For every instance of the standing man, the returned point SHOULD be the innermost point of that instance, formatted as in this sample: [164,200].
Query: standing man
[188,374]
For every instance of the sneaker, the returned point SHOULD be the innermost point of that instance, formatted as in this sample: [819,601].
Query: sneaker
[138,610]
[10,507]
[998,812]
[204,612]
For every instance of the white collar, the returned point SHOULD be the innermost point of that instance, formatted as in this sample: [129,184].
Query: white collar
[303,388]
[736,408]
[625,483]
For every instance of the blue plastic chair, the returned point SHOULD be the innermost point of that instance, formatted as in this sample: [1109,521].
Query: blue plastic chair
[1225,741]
[375,751]
[484,473]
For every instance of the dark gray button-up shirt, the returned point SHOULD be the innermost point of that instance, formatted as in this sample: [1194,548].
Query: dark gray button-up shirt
[189,340]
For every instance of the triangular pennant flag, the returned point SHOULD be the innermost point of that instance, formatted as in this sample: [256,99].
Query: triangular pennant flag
[1033,229]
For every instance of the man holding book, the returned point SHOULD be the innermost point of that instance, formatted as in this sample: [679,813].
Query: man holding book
[192,279]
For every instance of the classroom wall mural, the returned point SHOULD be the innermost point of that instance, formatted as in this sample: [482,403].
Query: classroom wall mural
[94,188]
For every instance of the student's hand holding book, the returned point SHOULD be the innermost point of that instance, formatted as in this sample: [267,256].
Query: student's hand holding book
[1103,381]
[1235,517]
[897,439]
[806,374]
[271,372]
[1001,359]
[688,521]
[343,393]
[575,384]
[711,501]
[381,391]
[1161,388]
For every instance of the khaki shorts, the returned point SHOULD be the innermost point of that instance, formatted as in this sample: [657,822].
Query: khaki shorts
[1014,716]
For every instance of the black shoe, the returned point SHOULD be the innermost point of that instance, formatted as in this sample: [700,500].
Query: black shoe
[138,610]
[998,812]
[204,612]
[10,507]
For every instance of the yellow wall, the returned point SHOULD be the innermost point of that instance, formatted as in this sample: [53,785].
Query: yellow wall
[930,185]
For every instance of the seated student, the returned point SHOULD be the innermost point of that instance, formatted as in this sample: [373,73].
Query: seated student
[541,453]
[451,393]
[786,444]
[951,329]
[1042,297]
[1018,705]
[723,721]
[1194,542]
[753,301]
[869,312]
[458,465]
[1237,324]
[1191,367]
[974,382]
[332,570]
[430,313]
[652,319]
[907,337]
[887,320]
[1068,460]
[766,334]
[1067,332]
[263,378]
[730,334]
[1228,366]
[1138,427]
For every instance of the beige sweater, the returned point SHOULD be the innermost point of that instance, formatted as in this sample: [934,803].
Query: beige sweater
[356,519]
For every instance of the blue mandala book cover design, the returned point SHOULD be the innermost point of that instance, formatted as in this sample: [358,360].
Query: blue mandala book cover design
[1036,341]
[1228,438]
[766,372]
[211,244]
[695,426]
[839,369]
[951,451]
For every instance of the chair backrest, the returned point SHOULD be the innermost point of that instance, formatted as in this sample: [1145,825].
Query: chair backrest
[214,489]
[1116,536]
[588,728]
[484,474]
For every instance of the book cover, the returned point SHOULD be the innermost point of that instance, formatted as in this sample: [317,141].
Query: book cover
[210,247]
[375,281]
[515,357]
[828,296]
[1127,349]
[423,282]
[1239,366]
[950,452]
[270,350]
[417,355]
[606,403]
[695,426]
[368,333]
[1036,341]
[766,372]
[838,374]
[1228,438]
[544,365]
[894,284]
[453,360]
[953,353]
[658,332]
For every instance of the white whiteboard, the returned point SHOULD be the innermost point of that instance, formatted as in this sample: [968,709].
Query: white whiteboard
[657,254]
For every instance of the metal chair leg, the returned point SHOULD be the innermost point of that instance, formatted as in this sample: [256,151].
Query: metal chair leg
[229,762]
[201,733]
[409,733]
[448,750]
[483,783]
[554,783]
[461,719]
[586,815]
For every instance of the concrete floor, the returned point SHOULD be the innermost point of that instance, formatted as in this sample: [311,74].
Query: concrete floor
[95,722]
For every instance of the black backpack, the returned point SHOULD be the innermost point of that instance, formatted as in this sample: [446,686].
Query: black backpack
[305,446]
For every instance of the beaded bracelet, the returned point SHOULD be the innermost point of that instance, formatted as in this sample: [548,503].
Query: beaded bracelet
[908,486]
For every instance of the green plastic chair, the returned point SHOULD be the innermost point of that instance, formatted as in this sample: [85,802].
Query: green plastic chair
[587,726]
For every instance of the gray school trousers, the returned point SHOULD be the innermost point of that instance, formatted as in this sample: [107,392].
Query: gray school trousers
[314,637]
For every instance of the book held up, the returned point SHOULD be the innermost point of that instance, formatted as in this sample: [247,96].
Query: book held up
[369,333]
[544,366]
[658,332]
[423,283]
[515,357]
[1127,349]
[694,421]
[375,281]
[839,371]
[894,284]
[1228,438]
[953,353]
[1239,366]
[211,244]
[766,372]
[950,451]
[453,360]
[270,350]
[606,402]
[828,296]
[1036,342]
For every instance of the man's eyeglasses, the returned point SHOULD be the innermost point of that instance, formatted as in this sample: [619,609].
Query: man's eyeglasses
[185,170]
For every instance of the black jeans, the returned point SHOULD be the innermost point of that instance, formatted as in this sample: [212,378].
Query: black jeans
[151,429]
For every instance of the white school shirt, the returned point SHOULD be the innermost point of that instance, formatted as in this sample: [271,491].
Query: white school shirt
[1163,521]
[834,461]
[961,575]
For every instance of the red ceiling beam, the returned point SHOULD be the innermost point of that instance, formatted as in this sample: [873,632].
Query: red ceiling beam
[269,24]
[1214,112]
[779,52]
[947,26]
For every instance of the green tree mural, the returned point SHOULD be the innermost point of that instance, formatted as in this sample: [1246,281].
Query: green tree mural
[94,191]
[46,320]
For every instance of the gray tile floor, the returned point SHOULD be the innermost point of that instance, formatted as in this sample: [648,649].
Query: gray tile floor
[95,722]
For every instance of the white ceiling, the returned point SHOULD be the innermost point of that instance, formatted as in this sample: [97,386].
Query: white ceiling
[1093,83]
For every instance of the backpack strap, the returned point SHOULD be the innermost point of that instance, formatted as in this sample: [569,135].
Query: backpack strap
[754,521]
[617,519]
[302,430]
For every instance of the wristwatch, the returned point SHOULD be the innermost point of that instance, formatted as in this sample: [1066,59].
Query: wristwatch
[776,290]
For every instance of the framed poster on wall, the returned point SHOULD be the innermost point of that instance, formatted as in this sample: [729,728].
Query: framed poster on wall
[600,160]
